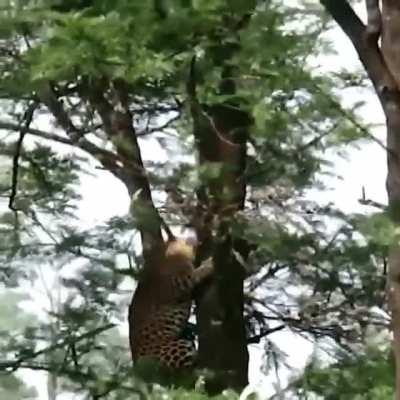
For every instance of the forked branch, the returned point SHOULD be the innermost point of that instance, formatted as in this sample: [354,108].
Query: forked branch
[118,125]
[364,43]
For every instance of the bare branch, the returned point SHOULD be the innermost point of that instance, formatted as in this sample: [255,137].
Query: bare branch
[344,15]
[365,44]
[317,139]
[264,333]
[160,128]
[9,126]
[369,202]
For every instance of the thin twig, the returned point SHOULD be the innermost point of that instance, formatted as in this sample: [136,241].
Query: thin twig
[368,202]
[264,333]
[148,131]
[318,138]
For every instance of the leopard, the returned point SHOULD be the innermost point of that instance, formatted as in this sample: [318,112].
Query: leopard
[161,306]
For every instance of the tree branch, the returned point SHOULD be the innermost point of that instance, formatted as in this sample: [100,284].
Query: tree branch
[369,202]
[160,128]
[364,43]
[9,126]
[344,15]
[108,159]
[26,121]
[118,125]
[15,364]
[264,333]
[56,107]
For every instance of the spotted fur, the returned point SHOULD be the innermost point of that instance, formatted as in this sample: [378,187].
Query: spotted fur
[161,306]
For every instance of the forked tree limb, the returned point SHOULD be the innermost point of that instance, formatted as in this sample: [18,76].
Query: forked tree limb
[126,164]
[76,136]
[118,125]
[365,44]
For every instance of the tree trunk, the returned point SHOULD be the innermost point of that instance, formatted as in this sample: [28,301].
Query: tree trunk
[221,328]
[393,190]
[221,132]
[382,65]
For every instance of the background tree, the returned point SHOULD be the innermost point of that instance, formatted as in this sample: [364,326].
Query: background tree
[382,64]
[85,89]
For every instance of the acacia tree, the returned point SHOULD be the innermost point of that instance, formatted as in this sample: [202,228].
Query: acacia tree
[377,44]
[225,80]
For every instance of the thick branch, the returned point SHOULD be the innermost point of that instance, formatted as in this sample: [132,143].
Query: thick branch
[118,125]
[10,126]
[108,159]
[364,43]
[56,107]
[344,15]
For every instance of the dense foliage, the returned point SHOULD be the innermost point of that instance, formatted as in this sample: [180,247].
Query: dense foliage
[313,271]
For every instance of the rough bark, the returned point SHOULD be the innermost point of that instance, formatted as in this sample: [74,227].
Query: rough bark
[220,132]
[391,37]
[382,65]
[221,329]
[393,190]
